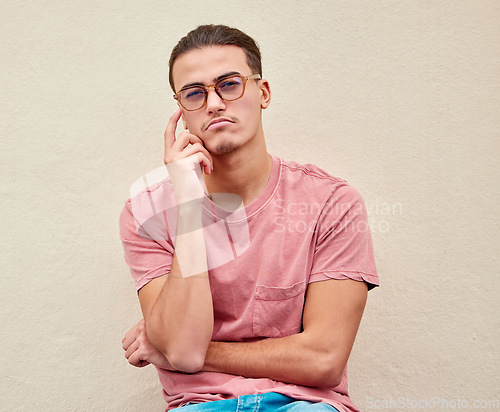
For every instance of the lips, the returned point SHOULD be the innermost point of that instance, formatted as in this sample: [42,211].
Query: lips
[218,123]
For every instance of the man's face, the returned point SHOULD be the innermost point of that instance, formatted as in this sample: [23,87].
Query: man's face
[204,66]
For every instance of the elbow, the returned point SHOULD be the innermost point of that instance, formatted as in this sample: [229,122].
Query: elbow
[328,373]
[333,379]
[187,362]
[188,357]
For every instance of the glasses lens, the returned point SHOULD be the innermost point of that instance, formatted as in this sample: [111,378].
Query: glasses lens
[230,88]
[192,98]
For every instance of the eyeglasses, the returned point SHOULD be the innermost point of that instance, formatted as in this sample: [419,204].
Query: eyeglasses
[228,89]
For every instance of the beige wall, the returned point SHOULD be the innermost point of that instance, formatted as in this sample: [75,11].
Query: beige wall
[400,98]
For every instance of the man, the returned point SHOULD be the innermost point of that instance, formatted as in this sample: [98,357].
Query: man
[254,306]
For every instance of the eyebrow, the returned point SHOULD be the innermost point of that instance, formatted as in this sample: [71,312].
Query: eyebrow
[222,76]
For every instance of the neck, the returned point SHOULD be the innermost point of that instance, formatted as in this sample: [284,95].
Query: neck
[244,172]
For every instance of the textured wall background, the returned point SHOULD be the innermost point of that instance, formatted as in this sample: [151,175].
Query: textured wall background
[399,98]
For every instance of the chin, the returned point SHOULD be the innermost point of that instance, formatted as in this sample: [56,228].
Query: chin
[224,148]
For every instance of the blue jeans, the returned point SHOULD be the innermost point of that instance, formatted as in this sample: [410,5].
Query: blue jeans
[259,403]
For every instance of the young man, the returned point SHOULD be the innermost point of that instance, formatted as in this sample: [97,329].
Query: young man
[250,299]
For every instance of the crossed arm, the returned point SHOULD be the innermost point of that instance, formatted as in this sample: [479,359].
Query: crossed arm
[315,357]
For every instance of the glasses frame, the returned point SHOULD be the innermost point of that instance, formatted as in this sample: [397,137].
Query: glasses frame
[244,79]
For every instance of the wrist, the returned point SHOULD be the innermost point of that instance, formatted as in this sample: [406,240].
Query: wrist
[187,180]
[189,217]
[210,358]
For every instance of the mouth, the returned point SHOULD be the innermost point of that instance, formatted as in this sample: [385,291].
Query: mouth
[218,123]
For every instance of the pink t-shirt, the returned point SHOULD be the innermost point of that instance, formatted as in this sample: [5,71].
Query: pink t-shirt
[306,226]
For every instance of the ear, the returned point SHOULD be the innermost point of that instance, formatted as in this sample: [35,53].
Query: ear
[265,98]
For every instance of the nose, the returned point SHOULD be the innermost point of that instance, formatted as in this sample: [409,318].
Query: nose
[214,101]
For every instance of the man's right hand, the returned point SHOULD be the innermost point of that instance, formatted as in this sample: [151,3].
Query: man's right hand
[184,157]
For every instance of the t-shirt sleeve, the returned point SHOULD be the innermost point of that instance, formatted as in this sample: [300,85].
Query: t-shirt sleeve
[147,247]
[344,248]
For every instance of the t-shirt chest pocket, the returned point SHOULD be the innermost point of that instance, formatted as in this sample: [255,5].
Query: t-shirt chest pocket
[278,310]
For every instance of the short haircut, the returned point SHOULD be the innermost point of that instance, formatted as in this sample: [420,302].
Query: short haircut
[217,35]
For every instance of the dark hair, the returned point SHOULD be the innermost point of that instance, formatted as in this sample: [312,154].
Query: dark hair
[217,35]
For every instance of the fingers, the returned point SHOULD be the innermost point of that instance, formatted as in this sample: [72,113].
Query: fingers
[132,334]
[132,346]
[185,140]
[170,130]
[187,145]
[182,146]
[134,356]
[128,339]
[135,361]
[139,351]
[131,349]
[126,342]
[202,156]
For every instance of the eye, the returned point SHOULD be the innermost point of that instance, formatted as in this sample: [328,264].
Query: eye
[193,93]
[229,83]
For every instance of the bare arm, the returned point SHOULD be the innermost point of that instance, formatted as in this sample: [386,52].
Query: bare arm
[315,357]
[177,307]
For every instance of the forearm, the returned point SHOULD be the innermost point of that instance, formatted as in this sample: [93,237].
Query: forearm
[180,324]
[317,356]
[177,307]
[293,359]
